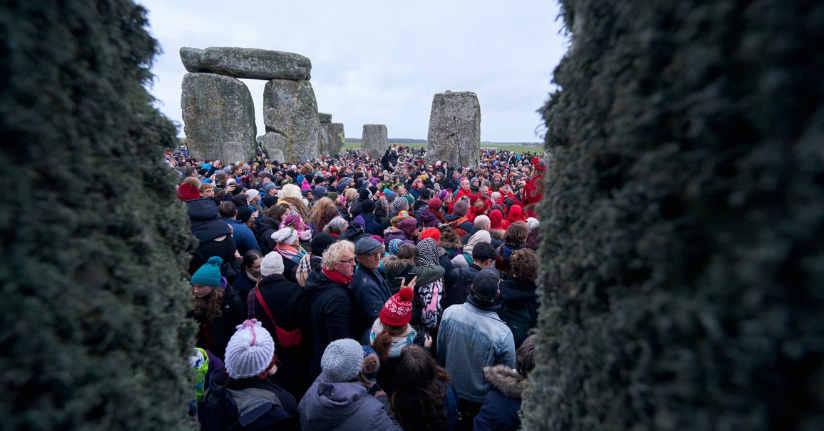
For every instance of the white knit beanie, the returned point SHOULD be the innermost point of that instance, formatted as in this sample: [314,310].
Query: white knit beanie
[532,222]
[290,191]
[286,236]
[250,350]
[272,263]
[341,361]
[251,194]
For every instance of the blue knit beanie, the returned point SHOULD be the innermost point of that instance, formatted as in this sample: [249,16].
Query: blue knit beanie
[209,273]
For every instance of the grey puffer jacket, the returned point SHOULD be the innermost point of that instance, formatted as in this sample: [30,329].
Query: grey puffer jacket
[344,407]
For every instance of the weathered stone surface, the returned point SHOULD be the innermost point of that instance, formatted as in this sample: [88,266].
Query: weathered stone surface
[375,141]
[323,138]
[291,111]
[337,138]
[250,63]
[455,128]
[236,152]
[217,109]
[324,117]
[272,144]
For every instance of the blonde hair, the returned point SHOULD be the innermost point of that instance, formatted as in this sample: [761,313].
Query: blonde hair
[351,195]
[205,186]
[318,208]
[335,252]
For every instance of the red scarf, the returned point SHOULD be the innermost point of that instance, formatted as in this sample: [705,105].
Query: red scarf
[334,234]
[336,276]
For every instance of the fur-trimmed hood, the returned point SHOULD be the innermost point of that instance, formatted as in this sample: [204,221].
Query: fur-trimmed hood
[506,380]
[394,264]
[449,239]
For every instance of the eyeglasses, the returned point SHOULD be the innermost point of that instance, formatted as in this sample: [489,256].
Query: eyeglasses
[350,261]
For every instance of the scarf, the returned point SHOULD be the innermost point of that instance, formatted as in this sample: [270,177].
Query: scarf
[398,343]
[336,276]
[290,251]
[251,277]
[427,253]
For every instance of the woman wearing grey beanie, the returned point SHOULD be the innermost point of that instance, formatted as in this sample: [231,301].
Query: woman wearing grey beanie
[339,399]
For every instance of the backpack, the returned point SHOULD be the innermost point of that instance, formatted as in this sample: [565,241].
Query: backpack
[519,319]
[218,410]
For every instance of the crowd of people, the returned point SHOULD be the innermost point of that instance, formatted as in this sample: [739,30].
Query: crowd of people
[353,293]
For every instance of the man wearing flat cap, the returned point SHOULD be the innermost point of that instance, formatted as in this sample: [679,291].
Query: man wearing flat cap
[471,337]
[368,285]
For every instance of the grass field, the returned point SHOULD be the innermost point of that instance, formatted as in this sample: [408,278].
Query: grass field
[515,148]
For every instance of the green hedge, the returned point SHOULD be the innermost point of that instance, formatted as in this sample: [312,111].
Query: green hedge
[92,238]
[683,257]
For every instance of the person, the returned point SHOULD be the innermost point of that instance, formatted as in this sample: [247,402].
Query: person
[372,226]
[283,307]
[399,263]
[464,259]
[423,398]
[496,220]
[214,236]
[472,336]
[244,237]
[514,240]
[430,215]
[391,332]
[428,295]
[402,227]
[458,282]
[258,402]
[288,247]
[480,223]
[339,398]
[458,218]
[332,310]
[370,291]
[215,306]
[337,228]
[503,402]
[249,273]
[312,261]
[519,300]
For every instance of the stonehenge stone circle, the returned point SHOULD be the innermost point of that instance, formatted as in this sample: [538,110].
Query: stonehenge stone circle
[337,138]
[250,63]
[455,128]
[375,141]
[324,117]
[290,113]
[217,109]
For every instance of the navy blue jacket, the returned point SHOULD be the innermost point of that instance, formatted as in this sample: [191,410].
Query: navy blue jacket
[370,293]
[244,237]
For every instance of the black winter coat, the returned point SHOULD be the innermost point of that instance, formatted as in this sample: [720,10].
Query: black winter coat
[332,314]
[457,285]
[266,227]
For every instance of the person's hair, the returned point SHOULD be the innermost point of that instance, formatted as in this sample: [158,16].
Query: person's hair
[190,171]
[407,252]
[298,205]
[383,341]
[418,399]
[533,239]
[335,252]
[336,225]
[525,357]
[207,309]
[497,234]
[306,169]
[249,258]
[325,218]
[227,209]
[318,209]
[277,211]
[484,251]
[350,195]
[516,234]
[204,186]
[481,221]
[524,264]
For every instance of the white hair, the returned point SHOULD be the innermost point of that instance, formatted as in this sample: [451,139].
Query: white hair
[335,253]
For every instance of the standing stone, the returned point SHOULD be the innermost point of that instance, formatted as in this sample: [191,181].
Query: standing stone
[324,117]
[324,140]
[337,138]
[217,109]
[270,142]
[455,128]
[234,152]
[375,141]
[250,63]
[290,113]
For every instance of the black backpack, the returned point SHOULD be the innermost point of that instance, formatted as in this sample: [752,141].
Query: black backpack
[520,319]
[217,410]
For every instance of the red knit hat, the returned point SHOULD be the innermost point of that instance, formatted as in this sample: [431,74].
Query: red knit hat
[398,309]
[430,232]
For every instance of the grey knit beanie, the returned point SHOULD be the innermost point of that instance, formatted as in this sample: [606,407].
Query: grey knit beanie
[341,361]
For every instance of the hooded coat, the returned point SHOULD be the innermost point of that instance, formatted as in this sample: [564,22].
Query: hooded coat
[344,406]
[267,226]
[501,405]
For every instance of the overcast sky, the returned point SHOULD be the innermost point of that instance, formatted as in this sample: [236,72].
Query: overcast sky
[381,62]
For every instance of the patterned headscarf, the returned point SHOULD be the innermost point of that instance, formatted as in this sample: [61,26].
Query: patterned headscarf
[427,253]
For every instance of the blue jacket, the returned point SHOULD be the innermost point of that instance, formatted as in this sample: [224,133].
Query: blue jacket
[471,337]
[344,407]
[372,227]
[244,237]
[501,405]
[370,293]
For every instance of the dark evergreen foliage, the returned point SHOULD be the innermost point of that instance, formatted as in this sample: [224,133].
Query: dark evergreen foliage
[683,257]
[92,241]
